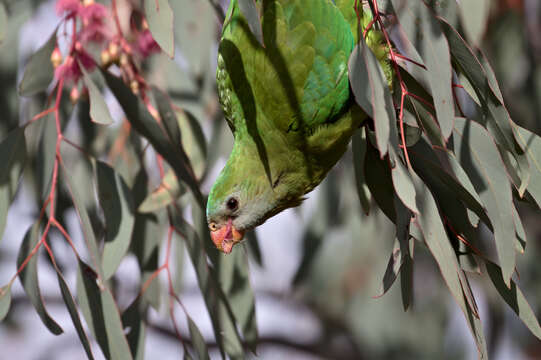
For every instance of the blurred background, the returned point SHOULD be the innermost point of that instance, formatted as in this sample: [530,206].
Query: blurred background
[321,264]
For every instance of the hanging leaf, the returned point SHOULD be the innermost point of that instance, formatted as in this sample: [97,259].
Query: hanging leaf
[160,22]
[479,157]
[198,340]
[474,15]
[101,314]
[435,237]
[3,22]
[84,219]
[498,121]
[234,279]
[5,301]
[532,148]
[252,244]
[168,191]
[72,310]
[249,10]
[372,93]
[146,125]
[135,328]
[514,298]
[358,144]
[221,317]
[99,111]
[39,70]
[29,278]
[435,52]
[13,159]
[117,204]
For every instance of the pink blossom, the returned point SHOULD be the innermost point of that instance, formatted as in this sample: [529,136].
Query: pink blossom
[94,31]
[94,12]
[145,44]
[69,6]
[70,69]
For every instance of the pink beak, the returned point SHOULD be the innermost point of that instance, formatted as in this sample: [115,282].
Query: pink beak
[225,237]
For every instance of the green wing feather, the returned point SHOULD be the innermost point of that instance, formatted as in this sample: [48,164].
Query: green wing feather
[299,81]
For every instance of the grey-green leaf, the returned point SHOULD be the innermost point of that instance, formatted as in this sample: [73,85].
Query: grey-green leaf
[117,204]
[479,157]
[99,112]
[84,219]
[474,14]
[29,277]
[5,301]
[72,309]
[198,340]
[435,52]
[514,298]
[39,70]
[532,148]
[372,92]
[358,144]
[146,125]
[168,191]
[101,314]
[3,22]
[436,239]
[12,158]
[160,22]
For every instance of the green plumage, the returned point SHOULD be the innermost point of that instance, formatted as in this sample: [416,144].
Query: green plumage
[288,104]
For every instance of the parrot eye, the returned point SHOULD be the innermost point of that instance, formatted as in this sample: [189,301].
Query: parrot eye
[213,226]
[232,204]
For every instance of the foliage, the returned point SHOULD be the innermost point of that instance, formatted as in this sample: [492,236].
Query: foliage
[442,159]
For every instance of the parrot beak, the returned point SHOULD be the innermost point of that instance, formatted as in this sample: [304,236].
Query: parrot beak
[225,237]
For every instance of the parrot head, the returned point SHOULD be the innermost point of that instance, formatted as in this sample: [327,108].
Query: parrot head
[242,198]
[222,215]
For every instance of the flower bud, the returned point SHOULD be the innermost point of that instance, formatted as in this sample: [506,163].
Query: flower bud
[124,61]
[74,95]
[134,86]
[113,51]
[56,57]
[105,57]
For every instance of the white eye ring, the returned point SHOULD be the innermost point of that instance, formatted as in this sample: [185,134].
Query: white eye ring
[213,226]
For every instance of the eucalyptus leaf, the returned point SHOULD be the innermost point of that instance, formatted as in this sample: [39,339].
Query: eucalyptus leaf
[117,204]
[72,310]
[474,14]
[358,144]
[3,22]
[160,22]
[435,237]
[101,314]
[371,92]
[435,52]
[84,219]
[479,157]
[13,159]
[5,301]
[145,124]
[29,277]
[39,69]
[198,340]
[532,147]
[99,111]
[514,297]
[169,190]
[220,313]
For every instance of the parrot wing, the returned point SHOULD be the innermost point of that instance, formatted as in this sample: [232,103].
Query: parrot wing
[298,81]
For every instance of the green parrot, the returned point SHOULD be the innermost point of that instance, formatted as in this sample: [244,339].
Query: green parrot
[289,105]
